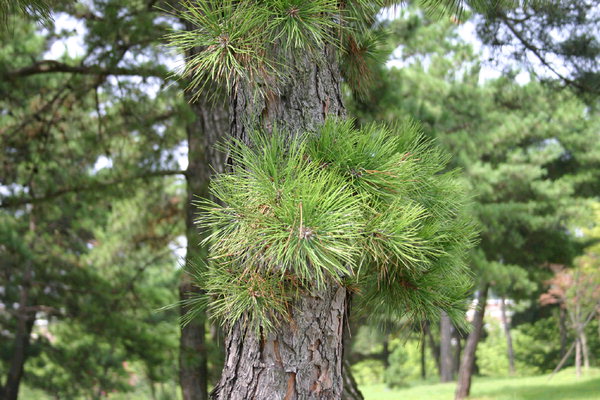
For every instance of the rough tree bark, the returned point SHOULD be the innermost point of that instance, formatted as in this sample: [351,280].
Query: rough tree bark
[446,362]
[303,358]
[509,345]
[209,126]
[467,364]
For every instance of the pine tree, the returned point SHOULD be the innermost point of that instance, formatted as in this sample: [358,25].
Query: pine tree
[312,210]
[86,248]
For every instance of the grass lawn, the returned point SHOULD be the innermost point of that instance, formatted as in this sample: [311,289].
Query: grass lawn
[564,386]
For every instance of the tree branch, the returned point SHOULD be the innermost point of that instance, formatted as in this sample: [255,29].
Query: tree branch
[52,66]
[537,53]
[12,202]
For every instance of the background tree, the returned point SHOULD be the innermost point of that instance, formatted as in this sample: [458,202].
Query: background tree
[503,138]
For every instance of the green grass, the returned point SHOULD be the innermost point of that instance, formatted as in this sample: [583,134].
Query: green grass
[564,386]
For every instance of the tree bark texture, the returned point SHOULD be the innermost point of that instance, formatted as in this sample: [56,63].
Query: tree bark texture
[446,362]
[303,358]
[208,127]
[467,364]
[509,346]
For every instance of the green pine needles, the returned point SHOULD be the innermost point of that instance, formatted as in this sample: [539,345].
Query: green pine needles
[251,41]
[371,208]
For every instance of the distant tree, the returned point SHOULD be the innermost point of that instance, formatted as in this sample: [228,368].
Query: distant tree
[578,292]
[61,121]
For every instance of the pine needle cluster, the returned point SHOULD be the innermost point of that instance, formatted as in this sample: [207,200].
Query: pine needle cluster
[370,208]
[251,41]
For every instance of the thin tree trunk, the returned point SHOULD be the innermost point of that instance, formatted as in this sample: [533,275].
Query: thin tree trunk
[584,349]
[457,352]
[303,358]
[435,350]
[385,352]
[351,391]
[25,322]
[19,356]
[467,364]
[568,353]
[210,124]
[578,356]
[562,325]
[445,348]
[509,345]
[423,360]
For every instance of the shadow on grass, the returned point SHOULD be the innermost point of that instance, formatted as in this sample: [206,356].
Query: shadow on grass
[586,390]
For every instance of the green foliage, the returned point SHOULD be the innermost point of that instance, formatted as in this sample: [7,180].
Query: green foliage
[89,247]
[491,353]
[396,374]
[252,42]
[370,208]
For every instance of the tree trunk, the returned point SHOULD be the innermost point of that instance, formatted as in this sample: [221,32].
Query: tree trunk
[446,363]
[423,360]
[584,349]
[301,361]
[435,349]
[509,345]
[351,391]
[578,356]
[25,322]
[457,352]
[562,325]
[17,363]
[385,352]
[467,364]
[303,358]
[210,125]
